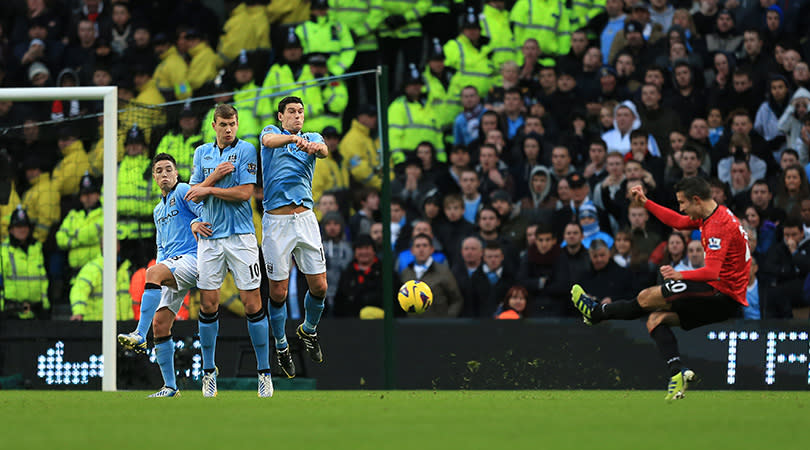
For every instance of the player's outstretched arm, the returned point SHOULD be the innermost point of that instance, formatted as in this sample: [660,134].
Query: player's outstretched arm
[273,140]
[669,217]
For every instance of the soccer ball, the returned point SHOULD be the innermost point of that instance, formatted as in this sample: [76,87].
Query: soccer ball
[415,296]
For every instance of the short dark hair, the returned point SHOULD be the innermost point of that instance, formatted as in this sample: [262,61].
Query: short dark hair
[576,224]
[163,157]
[638,134]
[282,105]
[225,111]
[543,228]
[493,245]
[422,236]
[691,149]
[597,141]
[790,151]
[513,90]
[792,222]
[694,187]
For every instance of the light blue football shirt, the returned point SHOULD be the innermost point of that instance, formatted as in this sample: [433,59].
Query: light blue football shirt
[287,172]
[226,218]
[173,216]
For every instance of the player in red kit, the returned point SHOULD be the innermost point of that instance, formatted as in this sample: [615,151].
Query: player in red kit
[692,298]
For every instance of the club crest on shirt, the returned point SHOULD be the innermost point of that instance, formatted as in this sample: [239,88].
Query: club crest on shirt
[232,158]
[172,201]
[714,244]
[251,168]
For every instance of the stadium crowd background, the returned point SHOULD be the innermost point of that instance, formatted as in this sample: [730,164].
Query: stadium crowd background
[517,129]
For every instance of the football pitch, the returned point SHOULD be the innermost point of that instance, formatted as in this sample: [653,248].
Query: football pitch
[404,420]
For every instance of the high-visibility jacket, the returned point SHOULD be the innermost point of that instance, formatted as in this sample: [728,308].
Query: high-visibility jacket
[141,111]
[70,169]
[330,37]
[96,156]
[288,11]
[24,278]
[171,74]
[582,11]
[410,123]
[280,78]
[362,155]
[182,149]
[137,285]
[329,175]
[362,17]
[443,100]
[137,196]
[246,29]
[412,10]
[244,100]
[328,103]
[86,293]
[472,65]
[80,235]
[323,103]
[495,25]
[7,208]
[203,66]
[41,201]
[548,21]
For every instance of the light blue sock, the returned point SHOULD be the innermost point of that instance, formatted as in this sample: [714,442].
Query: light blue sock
[314,307]
[209,329]
[164,352]
[149,303]
[259,337]
[278,321]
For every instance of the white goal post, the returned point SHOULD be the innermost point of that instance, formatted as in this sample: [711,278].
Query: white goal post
[110,96]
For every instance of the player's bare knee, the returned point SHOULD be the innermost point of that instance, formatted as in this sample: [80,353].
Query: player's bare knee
[162,324]
[318,289]
[278,293]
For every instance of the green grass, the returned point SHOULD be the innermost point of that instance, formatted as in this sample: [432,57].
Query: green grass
[500,420]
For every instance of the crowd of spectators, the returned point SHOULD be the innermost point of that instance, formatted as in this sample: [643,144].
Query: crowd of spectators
[515,141]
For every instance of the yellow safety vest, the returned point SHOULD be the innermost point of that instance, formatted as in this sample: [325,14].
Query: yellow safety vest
[547,21]
[24,278]
[501,46]
[182,150]
[86,293]
[410,123]
[360,16]
[137,196]
[329,176]
[472,65]
[412,10]
[362,155]
[444,102]
[80,234]
[330,37]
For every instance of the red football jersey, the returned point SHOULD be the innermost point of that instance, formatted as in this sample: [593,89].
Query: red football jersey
[725,243]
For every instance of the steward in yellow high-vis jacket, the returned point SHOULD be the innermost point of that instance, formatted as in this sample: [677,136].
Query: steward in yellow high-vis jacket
[468,55]
[23,282]
[411,120]
[80,231]
[443,90]
[182,142]
[86,301]
[362,152]
[41,200]
[171,74]
[548,21]
[322,34]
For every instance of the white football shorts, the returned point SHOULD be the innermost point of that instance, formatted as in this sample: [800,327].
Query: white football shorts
[287,235]
[238,253]
[184,269]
